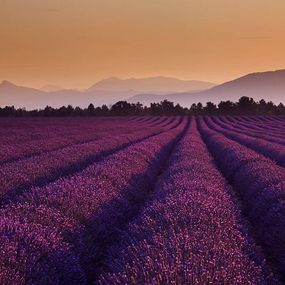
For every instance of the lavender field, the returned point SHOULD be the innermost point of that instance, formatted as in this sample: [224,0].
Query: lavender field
[142,200]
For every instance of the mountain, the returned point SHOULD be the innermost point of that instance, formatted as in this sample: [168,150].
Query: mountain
[11,94]
[51,88]
[264,85]
[268,85]
[158,85]
[106,92]
[30,98]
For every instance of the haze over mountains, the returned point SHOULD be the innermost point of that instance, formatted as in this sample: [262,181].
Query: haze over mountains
[51,88]
[107,91]
[263,85]
[157,84]
[266,85]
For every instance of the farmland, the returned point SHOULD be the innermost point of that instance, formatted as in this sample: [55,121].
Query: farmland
[142,200]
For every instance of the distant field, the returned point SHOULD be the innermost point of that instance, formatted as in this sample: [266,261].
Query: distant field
[142,200]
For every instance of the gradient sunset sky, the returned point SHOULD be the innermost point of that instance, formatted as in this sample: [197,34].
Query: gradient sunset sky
[74,43]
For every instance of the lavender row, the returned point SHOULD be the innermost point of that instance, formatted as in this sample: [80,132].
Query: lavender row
[19,132]
[274,151]
[261,119]
[277,127]
[22,130]
[58,234]
[12,152]
[257,125]
[38,170]
[191,232]
[263,135]
[259,122]
[259,182]
[251,129]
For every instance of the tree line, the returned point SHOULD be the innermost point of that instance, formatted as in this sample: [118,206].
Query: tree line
[244,106]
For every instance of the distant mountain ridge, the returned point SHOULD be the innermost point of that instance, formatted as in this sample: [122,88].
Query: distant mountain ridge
[157,84]
[51,88]
[263,85]
[106,91]
[268,85]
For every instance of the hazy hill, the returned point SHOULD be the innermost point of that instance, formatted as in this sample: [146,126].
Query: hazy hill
[264,85]
[159,85]
[30,98]
[11,94]
[106,91]
[51,88]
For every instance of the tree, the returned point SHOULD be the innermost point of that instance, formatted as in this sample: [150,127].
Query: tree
[280,109]
[227,107]
[48,111]
[69,110]
[210,108]
[91,110]
[246,105]
[121,108]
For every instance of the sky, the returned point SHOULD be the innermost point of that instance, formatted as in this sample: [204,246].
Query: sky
[74,43]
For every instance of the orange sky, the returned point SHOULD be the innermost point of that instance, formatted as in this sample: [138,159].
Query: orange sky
[74,43]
